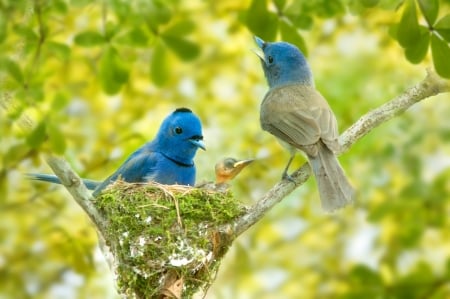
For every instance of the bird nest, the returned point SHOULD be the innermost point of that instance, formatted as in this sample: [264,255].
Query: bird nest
[167,241]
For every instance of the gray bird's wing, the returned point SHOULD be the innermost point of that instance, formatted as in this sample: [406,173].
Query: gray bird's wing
[299,115]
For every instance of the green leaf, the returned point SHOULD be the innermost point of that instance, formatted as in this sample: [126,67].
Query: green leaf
[122,10]
[290,34]
[34,92]
[37,136]
[134,37]
[3,27]
[158,13]
[378,212]
[370,3]
[360,7]
[59,6]
[301,21]
[430,9]
[159,67]
[329,9]
[27,33]
[447,269]
[61,51]
[443,27]
[56,139]
[417,52]
[181,28]
[111,29]
[112,71]
[15,153]
[80,3]
[441,54]
[393,30]
[89,39]
[183,48]
[280,4]
[421,277]
[408,28]
[60,101]
[260,21]
[12,68]
[411,234]
[363,275]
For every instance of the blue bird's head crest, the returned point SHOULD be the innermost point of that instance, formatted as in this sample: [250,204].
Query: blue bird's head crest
[283,63]
[179,136]
[182,109]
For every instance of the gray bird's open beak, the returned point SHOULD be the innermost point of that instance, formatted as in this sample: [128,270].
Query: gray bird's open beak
[260,42]
[199,143]
[259,52]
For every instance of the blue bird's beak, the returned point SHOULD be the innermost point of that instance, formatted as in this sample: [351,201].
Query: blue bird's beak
[198,143]
[259,52]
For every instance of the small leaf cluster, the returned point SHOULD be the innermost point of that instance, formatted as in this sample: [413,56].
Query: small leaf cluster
[151,24]
[268,18]
[417,38]
[136,25]
[287,18]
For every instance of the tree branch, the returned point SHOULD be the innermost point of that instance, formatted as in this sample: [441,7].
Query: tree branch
[77,189]
[430,86]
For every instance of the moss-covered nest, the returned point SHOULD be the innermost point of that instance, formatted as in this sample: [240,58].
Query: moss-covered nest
[167,240]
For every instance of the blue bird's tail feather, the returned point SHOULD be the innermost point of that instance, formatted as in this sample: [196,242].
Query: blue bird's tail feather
[51,178]
[334,188]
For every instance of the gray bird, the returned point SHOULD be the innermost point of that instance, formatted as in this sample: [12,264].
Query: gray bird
[301,119]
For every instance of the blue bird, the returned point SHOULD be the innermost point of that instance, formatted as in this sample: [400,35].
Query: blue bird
[301,119]
[167,159]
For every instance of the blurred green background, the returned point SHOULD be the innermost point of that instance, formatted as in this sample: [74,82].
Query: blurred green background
[92,80]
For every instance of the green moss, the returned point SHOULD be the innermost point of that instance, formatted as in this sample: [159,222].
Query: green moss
[157,231]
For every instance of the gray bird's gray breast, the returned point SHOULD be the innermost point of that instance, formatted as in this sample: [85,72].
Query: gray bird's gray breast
[299,116]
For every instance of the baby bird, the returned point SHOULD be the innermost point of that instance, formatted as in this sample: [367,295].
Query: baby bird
[226,169]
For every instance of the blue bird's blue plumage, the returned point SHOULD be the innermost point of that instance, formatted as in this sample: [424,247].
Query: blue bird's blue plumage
[51,178]
[167,159]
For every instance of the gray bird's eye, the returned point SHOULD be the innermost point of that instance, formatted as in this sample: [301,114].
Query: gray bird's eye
[270,59]
[178,130]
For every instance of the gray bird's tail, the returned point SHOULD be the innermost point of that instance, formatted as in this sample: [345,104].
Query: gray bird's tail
[51,178]
[334,188]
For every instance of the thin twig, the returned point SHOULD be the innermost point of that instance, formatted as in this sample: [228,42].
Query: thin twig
[42,37]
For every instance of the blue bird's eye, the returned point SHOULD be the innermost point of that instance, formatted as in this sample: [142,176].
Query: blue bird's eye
[178,130]
[270,59]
